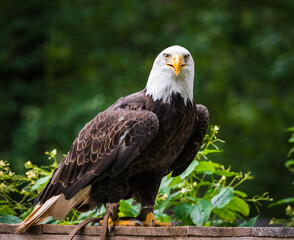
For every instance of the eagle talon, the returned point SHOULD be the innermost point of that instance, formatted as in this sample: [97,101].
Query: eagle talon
[138,222]
[120,222]
[151,221]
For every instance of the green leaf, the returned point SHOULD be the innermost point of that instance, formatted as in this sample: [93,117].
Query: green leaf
[225,214]
[282,201]
[189,170]
[225,173]
[93,213]
[86,214]
[174,195]
[206,167]
[201,212]
[50,220]
[207,151]
[40,183]
[223,197]
[205,183]
[6,210]
[164,186]
[182,211]
[241,194]
[162,217]
[250,223]
[9,219]
[175,181]
[290,152]
[289,163]
[239,205]
[127,210]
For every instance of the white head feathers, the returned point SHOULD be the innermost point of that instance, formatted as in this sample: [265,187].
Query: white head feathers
[172,72]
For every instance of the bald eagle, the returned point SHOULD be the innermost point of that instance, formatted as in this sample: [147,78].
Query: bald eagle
[125,151]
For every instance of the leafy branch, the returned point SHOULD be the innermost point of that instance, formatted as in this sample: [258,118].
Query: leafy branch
[289,221]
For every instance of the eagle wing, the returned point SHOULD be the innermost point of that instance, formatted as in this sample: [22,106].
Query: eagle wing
[104,147]
[193,144]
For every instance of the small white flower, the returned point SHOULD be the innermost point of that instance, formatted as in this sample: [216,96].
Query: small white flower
[28,164]
[2,163]
[223,178]
[289,210]
[183,190]
[194,184]
[30,174]
[215,128]
[54,152]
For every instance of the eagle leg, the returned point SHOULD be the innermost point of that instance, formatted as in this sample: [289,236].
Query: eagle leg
[148,220]
[150,182]
[111,217]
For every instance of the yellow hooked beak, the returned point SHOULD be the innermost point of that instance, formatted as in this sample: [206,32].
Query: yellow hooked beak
[176,64]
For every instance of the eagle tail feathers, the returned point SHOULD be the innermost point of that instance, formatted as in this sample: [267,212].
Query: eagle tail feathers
[57,207]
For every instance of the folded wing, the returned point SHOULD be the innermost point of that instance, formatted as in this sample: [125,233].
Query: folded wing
[104,147]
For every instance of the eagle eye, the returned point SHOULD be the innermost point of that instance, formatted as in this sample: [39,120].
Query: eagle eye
[186,56]
[166,55]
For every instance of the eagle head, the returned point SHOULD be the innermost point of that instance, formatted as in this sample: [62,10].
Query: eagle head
[172,72]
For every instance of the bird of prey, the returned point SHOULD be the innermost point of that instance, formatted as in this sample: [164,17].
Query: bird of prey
[126,150]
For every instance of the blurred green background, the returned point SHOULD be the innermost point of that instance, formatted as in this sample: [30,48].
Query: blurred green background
[61,62]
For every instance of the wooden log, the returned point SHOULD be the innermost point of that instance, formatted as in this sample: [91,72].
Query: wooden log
[60,232]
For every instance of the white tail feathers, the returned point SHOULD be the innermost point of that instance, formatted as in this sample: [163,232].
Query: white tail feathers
[57,207]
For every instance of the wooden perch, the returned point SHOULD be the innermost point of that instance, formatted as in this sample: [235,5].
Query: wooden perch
[60,232]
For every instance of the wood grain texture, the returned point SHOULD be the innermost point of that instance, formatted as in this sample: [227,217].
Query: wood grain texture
[60,232]
[216,231]
[273,232]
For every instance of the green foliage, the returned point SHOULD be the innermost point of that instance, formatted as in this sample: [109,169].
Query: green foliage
[290,163]
[290,201]
[17,191]
[205,194]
